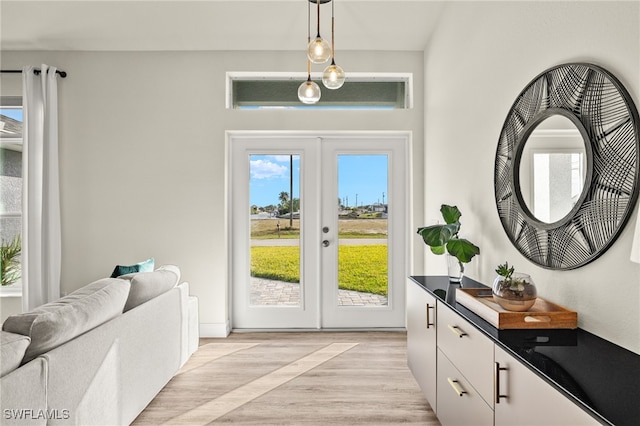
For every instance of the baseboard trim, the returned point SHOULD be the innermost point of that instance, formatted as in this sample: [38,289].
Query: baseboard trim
[215,330]
[222,330]
[318,330]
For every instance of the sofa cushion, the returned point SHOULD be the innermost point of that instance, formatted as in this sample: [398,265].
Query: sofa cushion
[12,349]
[146,266]
[55,323]
[147,285]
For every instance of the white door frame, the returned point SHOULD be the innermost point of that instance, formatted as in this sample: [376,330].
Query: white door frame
[398,297]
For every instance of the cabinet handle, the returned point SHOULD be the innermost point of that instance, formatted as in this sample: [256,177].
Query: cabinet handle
[429,323]
[456,330]
[456,386]
[497,370]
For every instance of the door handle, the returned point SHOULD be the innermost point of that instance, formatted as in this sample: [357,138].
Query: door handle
[429,323]
[496,379]
[456,386]
[325,243]
[456,330]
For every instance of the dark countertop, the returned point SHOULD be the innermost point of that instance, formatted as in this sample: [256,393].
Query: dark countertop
[601,377]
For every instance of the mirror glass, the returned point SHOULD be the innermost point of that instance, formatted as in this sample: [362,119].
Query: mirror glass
[552,169]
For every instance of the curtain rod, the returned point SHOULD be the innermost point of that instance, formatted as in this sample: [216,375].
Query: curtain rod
[62,74]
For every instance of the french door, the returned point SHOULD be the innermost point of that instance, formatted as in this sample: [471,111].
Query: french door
[318,229]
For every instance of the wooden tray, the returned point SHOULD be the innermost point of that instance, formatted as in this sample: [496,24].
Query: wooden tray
[543,314]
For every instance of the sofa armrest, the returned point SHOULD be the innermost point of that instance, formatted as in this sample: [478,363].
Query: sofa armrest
[190,334]
[194,325]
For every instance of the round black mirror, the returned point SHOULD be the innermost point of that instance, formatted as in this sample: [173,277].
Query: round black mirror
[585,197]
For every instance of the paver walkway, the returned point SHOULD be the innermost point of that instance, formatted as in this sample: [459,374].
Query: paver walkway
[296,242]
[271,292]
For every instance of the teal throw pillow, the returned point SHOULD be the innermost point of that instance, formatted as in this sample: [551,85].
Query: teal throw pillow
[146,266]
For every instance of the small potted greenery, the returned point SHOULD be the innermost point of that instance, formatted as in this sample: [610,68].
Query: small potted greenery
[444,239]
[10,261]
[512,290]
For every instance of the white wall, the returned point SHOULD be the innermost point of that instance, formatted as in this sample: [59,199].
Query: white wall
[9,306]
[142,146]
[482,55]
[142,154]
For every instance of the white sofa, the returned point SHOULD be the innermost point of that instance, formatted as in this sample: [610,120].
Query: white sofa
[107,374]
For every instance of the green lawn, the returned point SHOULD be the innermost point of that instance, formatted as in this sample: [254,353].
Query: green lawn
[361,267]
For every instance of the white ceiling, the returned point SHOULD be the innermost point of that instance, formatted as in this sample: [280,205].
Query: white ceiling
[213,24]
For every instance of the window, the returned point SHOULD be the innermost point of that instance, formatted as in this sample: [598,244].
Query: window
[11,185]
[280,90]
[558,179]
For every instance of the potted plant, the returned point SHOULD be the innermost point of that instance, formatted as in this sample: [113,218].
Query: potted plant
[444,239]
[10,261]
[514,291]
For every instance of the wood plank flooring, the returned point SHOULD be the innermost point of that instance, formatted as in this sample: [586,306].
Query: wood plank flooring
[294,378]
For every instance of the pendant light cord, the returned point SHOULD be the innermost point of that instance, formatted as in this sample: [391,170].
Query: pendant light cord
[333,44]
[308,39]
[318,3]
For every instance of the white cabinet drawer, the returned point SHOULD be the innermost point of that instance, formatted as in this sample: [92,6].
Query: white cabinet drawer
[526,399]
[458,402]
[468,349]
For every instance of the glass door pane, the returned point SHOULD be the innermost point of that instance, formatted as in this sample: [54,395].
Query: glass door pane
[362,230]
[274,197]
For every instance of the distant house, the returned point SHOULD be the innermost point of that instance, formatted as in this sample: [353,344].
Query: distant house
[10,128]
[379,208]
[296,215]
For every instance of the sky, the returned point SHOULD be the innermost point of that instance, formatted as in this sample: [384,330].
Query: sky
[361,177]
[15,113]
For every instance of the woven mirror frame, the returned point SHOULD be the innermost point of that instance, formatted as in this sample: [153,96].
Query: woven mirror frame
[606,117]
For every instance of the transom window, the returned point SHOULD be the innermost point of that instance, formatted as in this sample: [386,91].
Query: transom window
[251,90]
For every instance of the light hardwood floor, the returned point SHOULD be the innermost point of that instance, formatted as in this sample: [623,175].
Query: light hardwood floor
[328,378]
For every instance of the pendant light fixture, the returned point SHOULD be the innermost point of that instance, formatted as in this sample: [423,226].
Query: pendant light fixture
[333,75]
[309,91]
[319,51]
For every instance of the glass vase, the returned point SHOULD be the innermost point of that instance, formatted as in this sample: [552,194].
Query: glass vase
[516,293]
[455,270]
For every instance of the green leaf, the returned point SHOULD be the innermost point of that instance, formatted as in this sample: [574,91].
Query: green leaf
[450,214]
[437,235]
[438,249]
[463,249]
[505,270]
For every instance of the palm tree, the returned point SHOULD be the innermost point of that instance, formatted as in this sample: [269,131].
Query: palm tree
[284,203]
[10,260]
[288,205]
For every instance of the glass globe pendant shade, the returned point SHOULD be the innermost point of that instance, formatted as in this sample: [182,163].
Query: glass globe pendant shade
[319,50]
[309,92]
[333,76]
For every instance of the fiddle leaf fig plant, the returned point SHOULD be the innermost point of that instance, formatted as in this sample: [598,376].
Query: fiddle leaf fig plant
[443,238]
